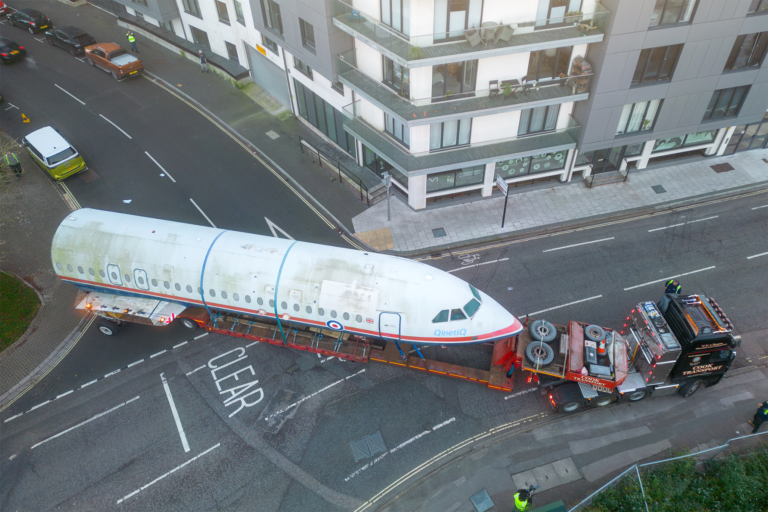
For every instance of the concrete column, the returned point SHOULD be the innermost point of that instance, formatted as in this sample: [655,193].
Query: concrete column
[645,156]
[489,179]
[727,133]
[570,158]
[417,192]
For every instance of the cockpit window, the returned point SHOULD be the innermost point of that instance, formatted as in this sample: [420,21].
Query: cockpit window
[476,294]
[441,317]
[471,307]
[457,314]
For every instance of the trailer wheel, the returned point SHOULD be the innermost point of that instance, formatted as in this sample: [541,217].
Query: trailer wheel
[108,329]
[539,353]
[637,395]
[690,388]
[568,398]
[602,401]
[542,330]
[594,333]
[189,324]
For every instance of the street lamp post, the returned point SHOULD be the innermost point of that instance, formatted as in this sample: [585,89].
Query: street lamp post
[387,183]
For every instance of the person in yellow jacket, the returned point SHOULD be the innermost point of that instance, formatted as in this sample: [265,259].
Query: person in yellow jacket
[12,161]
[132,40]
[522,500]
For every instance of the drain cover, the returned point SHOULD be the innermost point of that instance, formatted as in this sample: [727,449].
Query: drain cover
[722,167]
[438,232]
[658,189]
[368,446]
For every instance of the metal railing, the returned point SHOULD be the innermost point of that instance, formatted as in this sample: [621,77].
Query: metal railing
[333,167]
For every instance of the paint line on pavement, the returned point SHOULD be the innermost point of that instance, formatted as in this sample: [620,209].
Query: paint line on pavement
[160,166]
[576,245]
[70,429]
[668,278]
[111,373]
[94,381]
[158,354]
[204,334]
[65,394]
[565,305]
[72,95]
[758,207]
[180,344]
[307,397]
[254,343]
[135,363]
[519,393]
[202,212]
[683,224]
[13,417]
[196,369]
[39,405]
[113,124]
[478,264]
[757,255]
[175,413]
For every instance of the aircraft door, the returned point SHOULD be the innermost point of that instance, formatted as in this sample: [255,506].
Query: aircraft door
[390,325]
[140,276]
[113,271]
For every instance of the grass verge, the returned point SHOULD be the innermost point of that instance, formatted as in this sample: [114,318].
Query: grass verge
[18,306]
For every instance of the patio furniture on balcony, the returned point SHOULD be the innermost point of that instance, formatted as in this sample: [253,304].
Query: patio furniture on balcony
[505,33]
[514,85]
[473,36]
[493,87]
[488,31]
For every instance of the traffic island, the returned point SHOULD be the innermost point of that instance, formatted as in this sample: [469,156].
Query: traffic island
[18,305]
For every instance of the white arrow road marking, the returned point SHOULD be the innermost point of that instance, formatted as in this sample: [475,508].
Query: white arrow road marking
[273,227]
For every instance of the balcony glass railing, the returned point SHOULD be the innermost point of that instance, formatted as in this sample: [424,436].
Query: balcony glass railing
[499,99]
[459,157]
[491,35]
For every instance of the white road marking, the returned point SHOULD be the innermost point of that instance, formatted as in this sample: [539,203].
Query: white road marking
[477,265]
[273,227]
[11,105]
[182,435]
[70,429]
[111,374]
[564,305]
[12,457]
[81,60]
[89,383]
[72,95]
[196,369]
[682,224]
[180,344]
[204,215]
[157,354]
[755,208]
[668,278]
[13,417]
[113,124]
[168,473]
[39,405]
[576,245]
[252,344]
[519,393]
[65,394]
[135,363]
[204,334]
[160,166]
[757,255]
[307,397]
[41,40]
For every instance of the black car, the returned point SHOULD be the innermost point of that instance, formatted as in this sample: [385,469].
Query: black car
[30,19]
[10,51]
[70,38]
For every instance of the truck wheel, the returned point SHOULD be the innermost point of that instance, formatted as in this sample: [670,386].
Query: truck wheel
[114,75]
[90,61]
[602,401]
[189,324]
[637,395]
[690,388]
[108,329]
[539,353]
[594,333]
[542,330]
[568,398]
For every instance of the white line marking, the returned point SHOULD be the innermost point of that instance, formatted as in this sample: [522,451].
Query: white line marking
[757,255]
[39,405]
[273,227]
[89,383]
[668,278]
[196,369]
[157,354]
[576,245]
[72,95]
[204,215]
[168,473]
[519,393]
[12,457]
[755,208]
[65,394]
[182,435]
[11,105]
[13,417]
[307,397]
[204,334]
[160,166]
[180,344]
[564,305]
[113,124]
[256,343]
[135,363]
[81,60]
[41,40]
[70,429]
[111,374]
[478,264]
[682,224]
[441,425]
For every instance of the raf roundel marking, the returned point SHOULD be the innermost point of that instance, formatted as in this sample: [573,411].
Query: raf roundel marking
[333,324]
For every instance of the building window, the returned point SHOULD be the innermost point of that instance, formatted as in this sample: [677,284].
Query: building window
[397,129]
[544,162]
[167,25]
[379,166]
[725,103]
[141,2]
[449,134]
[269,44]
[323,116]
[758,7]
[453,17]
[271,12]
[232,51]
[671,12]
[453,81]
[301,66]
[606,160]
[656,64]
[748,51]
[541,119]
[692,139]
[139,15]
[546,64]
[338,87]
[397,77]
[638,117]
[397,14]
[307,35]
[455,179]
[239,12]
[200,37]
[191,7]
[223,14]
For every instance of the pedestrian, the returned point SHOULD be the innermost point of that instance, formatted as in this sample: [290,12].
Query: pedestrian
[673,286]
[132,40]
[12,161]
[203,62]
[760,416]
[522,499]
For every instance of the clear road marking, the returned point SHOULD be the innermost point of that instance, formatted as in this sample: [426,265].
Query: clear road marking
[273,227]
[81,60]
[196,369]
[683,223]
[477,265]
[564,305]
[13,417]
[204,215]
[252,344]
[135,363]
[168,473]
[757,255]
[70,429]
[11,105]
[180,344]
[65,394]
[157,354]
[39,405]
[668,278]
[182,435]
[204,334]
[307,397]
[72,95]
[94,381]
[113,124]
[519,393]
[576,245]
[111,373]
[160,166]
[41,40]
[755,208]
[12,457]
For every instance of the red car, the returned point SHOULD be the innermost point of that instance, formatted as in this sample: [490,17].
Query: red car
[4,9]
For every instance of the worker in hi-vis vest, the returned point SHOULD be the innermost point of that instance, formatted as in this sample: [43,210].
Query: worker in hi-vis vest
[132,40]
[522,499]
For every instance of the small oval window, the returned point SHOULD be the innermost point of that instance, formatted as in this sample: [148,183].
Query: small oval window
[321,311]
[69,267]
[309,310]
[127,278]
[199,291]
[141,280]
[223,295]
[346,316]
[167,285]
[154,282]
[90,271]
[236,297]
[80,269]
[189,289]
[259,301]
[212,292]
[102,274]
[296,307]
[114,276]
[271,303]
[284,305]
[177,286]
[248,299]
[333,313]
[359,319]
[58,265]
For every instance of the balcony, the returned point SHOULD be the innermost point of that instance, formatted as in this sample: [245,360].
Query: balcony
[425,50]
[443,108]
[465,156]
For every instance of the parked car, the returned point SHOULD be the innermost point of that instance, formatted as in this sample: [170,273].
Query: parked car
[72,39]
[4,9]
[32,20]
[53,153]
[10,51]
[113,59]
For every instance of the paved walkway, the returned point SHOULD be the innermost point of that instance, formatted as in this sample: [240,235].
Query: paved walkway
[564,203]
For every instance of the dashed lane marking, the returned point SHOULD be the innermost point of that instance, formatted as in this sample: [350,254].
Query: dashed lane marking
[70,94]
[669,277]
[477,265]
[683,223]
[582,243]
[204,334]
[160,166]
[113,124]
[40,405]
[564,305]
[252,344]
[307,397]
[201,211]
[158,354]
[65,394]
[135,363]
[757,255]
[755,208]
[196,369]
[514,395]
[180,344]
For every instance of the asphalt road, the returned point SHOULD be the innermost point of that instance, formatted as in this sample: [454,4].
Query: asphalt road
[287,445]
